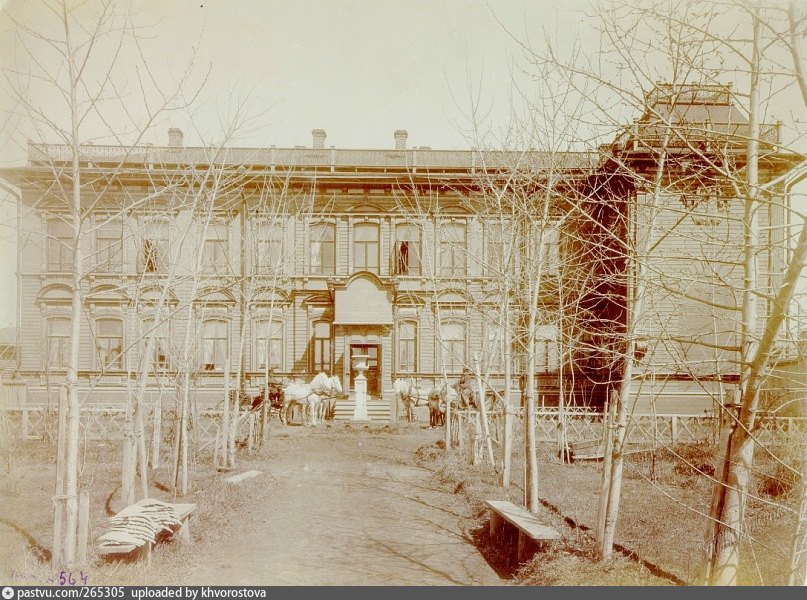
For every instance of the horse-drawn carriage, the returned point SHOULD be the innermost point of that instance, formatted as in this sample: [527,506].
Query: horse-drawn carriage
[314,400]
[461,395]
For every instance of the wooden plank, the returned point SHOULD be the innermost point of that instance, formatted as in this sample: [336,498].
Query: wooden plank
[525,521]
[242,476]
[184,510]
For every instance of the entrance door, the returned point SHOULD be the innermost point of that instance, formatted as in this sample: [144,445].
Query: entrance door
[373,373]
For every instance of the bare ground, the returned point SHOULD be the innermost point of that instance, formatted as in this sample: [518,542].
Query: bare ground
[333,506]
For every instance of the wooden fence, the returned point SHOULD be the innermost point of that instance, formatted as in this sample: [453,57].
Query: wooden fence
[645,429]
[107,423]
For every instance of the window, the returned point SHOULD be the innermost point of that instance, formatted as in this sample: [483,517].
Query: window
[407,250]
[214,249]
[269,334]
[159,357]
[109,344]
[109,243]
[407,347]
[452,347]
[322,252]
[496,240]
[155,248]
[322,347]
[452,249]
[494,346]
[546,349]
[60,246]
[365,247]
[215,345]
[58,339]
[270,248]
[551,250]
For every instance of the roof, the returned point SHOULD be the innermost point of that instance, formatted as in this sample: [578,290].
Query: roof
[325,158]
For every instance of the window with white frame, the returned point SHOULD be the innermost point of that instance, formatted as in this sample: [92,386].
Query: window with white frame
[154,253]
[365,247]
[407,346]
[322,249]
[452,249]
[214,249]
[452,344]
[109,247]
[215,344]
[498,238]
[269,248]
[159,359]
[494,346]
[269,343]
[58,342]
[109,343]
[60,245]
[406,258]
[551,243]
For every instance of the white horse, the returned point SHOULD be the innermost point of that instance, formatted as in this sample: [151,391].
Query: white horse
[309,397]
[328,391]
[409,395]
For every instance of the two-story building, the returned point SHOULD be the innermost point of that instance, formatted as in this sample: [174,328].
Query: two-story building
[240,260]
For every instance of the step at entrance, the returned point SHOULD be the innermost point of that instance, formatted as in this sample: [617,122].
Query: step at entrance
[377,410]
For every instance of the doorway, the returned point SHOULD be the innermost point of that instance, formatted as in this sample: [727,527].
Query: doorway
[373,373]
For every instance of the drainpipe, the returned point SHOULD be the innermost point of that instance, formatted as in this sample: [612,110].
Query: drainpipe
[18,309]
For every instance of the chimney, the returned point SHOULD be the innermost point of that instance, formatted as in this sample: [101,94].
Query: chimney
[319,138]
[400,139]
[175,137]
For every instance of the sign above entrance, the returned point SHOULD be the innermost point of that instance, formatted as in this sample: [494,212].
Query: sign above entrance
[362,302]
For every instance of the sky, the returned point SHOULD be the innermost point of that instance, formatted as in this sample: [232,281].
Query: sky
[359,69]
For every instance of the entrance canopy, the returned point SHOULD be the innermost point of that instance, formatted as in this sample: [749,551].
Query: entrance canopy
[363,301]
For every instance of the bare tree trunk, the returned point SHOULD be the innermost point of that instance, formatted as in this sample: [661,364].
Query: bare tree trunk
[507,444]
[723,552]
[798,553]
[59,494]
[484,411]
[225,417]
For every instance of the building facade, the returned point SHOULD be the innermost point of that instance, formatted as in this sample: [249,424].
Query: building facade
[217,265]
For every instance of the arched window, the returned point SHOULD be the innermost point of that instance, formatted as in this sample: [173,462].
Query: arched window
[406,259]
[109,344]
[269,342]
[452,249]
[322,249]
[215,344]
[365,247]
[452,344]
[322,347]
[58,340]
[407,347]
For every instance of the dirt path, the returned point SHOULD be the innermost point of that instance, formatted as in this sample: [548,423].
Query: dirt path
[347,507]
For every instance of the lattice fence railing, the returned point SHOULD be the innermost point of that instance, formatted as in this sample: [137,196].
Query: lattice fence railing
[107,423]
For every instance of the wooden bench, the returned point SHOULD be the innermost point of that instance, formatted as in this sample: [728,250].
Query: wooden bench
[532,534]
[138,527]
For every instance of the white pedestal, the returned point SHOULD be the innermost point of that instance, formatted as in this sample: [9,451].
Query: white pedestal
[360,388]
[360,412]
